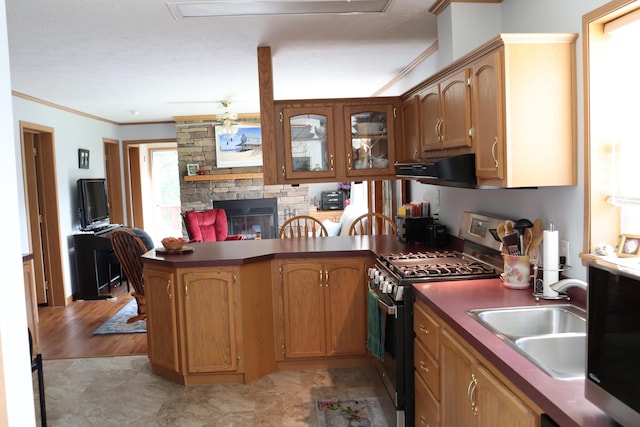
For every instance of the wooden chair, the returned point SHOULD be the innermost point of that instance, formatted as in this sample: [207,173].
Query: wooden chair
[129,247]
[372,223]
[302,226]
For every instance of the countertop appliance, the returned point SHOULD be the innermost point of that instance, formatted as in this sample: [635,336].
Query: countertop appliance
[613,342]
[424,230]
[391,278]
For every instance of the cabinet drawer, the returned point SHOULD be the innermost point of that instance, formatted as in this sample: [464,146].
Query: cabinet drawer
[427,409]
[427,368]
[426,329]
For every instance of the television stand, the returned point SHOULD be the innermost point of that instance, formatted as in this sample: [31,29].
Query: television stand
[97,268]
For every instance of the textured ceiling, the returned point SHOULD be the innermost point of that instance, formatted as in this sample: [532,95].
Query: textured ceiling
[108,58]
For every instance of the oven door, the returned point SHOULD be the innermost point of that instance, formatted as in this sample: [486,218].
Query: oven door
[392,368]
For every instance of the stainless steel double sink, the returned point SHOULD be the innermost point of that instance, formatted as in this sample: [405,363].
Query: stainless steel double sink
[552,336]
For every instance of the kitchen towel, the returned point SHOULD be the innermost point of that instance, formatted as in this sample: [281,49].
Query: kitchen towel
[375,326]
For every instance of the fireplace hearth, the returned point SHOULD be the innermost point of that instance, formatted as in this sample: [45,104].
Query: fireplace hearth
[255,218]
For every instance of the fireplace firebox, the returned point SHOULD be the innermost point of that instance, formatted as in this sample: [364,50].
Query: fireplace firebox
[255,218]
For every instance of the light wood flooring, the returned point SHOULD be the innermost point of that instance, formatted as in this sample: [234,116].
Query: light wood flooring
[66,332]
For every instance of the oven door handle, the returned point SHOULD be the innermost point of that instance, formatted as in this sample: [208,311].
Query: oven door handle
[386,308]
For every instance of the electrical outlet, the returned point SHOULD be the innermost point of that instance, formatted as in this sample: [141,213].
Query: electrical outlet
[564,250]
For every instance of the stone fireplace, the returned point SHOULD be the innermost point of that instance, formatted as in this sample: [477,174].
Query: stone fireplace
[196,144]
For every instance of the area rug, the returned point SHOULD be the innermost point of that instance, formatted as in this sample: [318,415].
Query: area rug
[117,324]
[365,412]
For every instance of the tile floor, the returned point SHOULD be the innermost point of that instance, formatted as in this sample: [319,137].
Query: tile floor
[122,391]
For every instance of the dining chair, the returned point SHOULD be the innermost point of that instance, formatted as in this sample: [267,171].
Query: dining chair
[129,247]
[302,226]
[372,223]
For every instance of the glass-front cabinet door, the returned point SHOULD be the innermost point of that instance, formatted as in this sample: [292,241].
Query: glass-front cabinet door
[369,131]
[309,145]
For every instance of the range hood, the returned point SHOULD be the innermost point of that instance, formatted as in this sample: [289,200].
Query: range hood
[455,171]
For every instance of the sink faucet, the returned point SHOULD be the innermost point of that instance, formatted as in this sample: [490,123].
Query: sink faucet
[564,284]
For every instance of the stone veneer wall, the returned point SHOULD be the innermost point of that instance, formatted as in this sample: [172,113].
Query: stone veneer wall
[197,144]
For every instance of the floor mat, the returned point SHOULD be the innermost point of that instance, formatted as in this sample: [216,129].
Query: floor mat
[365,412]
[117,324]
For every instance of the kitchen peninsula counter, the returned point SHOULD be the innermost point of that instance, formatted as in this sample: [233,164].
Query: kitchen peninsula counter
[562,400]
[225,311]
[240,252]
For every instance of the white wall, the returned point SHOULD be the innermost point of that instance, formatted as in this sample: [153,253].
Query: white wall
[564,206]
[14,343]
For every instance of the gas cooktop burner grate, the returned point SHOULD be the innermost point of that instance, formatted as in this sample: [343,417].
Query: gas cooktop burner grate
[413,256]
[444,270]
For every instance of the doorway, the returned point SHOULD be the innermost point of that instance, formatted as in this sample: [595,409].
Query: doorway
[150,171]
[41,196]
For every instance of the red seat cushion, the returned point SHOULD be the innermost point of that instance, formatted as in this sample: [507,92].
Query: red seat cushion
[206,226]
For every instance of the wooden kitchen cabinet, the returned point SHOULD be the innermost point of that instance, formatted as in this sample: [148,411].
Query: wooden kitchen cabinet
[426,357]
[162,329]
[31,302]
[308,142]
[207,302]
[445,116]
[524,111]
[369,139]
[453,386]
[335,139]
[511,102]
[409,113]
[197,330]
[472,396]
[321,308]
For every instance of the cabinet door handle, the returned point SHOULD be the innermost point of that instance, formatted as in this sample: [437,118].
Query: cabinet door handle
[326,278]
[186,290]
[438,129]
[423,329]
[423,421]
[471,394]
[331,161]
[349,161]
[424,367]
[320,278]
[493,151]
[283,171]
[169,288]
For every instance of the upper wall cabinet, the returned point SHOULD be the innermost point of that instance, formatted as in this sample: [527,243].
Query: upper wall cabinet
[445,113]
[335,139]
[512,102]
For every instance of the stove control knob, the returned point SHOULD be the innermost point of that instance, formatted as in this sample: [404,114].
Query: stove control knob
[399,293]
[389,288]
[373,272]
[384,284]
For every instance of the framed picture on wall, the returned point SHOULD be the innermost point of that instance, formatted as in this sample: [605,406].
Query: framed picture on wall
[192,169]
[83,158]
[629,246]
[241,148]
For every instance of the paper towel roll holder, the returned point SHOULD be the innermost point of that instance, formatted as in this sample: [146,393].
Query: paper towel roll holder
[538,287]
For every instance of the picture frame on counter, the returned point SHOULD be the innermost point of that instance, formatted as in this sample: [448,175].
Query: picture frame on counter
[192,169]
[629,246]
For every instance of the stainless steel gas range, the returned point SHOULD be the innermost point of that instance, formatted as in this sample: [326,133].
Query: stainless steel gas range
[391,279]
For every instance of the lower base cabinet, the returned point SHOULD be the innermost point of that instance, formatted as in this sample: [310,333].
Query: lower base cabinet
[470,394]
[209,325]
[320,308]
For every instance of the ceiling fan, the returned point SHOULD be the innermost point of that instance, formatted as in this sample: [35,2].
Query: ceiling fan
[228,121]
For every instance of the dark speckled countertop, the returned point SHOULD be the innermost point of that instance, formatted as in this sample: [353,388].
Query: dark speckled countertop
[562,400]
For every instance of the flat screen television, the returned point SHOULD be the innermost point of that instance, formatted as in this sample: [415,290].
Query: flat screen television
[93,205]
